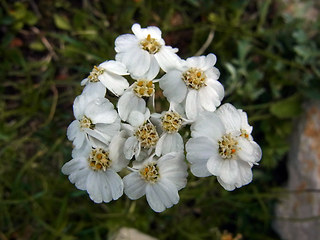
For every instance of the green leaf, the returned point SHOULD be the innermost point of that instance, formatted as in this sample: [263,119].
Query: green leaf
[37,46]
[287,108]
[61,22]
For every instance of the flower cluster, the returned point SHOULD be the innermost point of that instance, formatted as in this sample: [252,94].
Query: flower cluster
[126,147]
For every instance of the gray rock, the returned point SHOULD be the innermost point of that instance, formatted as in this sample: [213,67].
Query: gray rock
[298,213]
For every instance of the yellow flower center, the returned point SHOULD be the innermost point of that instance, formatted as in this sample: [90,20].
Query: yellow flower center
[194,78]
[150,45]
[150,173]
[171,122]
[147,135]
[143,88]
[228,146]
[95,73]
[99,159]
[244,134]
[86,123]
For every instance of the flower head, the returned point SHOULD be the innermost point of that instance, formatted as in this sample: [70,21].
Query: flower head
[217,147]
[195,83]
[95,170]
[144,52]
[108,75]
[142,137]
[96,120]
[169,124]
[160,180]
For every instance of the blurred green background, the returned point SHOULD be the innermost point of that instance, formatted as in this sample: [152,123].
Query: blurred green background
[268,53]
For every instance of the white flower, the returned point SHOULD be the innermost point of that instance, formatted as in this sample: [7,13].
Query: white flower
[144,51]
[108,75]
[218,147]
[169,123]
[95,170]
[96,120]
[142,137]
[160,180]
[133,100]
[195,82]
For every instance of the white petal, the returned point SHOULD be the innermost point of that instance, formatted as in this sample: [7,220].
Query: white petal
[210,61]
[84,151]
[173,86]
[229,171]
[125,42]
[169,142]
[79,105]
[244,122]
[209,125]
[79,178]
[84,81]
[173,168]
[137,61]
[209,99]
[134,186]
[129,102]
[228,187]
[114,182]
[230,117]
[72,166]
[199,150]
[136,29]
[196,62]
[94,135]
[167,58]
[249,151]
[114,83]
[114,67]
[154,31]
[73,130]
[101,111]
[215,164]
[136,118]
[131,147]
[192,104]
[93,187]
[245,174]
[116,153]
[162,195]
[153,69]
[93,91]
[217,87]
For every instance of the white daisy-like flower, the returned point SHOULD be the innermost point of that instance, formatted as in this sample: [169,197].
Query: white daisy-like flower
[160,180]
[133,100]
[95,170]
[144,52]
[169,123]
[195,82]
[108,75]
[142,138]
[221,146]
[96,120]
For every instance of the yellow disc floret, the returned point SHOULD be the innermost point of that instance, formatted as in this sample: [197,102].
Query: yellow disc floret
[228,146]
[86,123]
[244,134]
[150,45]
[99,159]
[171,122]
[194,78]
[143,88]
[150,172]
[147,135]
[95,73]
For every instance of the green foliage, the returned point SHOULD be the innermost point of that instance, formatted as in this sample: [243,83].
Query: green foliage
[269,63]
